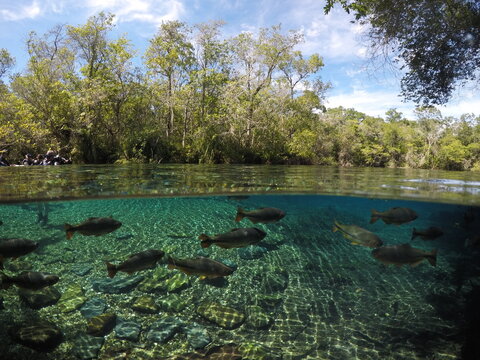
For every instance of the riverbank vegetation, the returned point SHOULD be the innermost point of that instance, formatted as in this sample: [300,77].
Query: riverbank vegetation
[198,97]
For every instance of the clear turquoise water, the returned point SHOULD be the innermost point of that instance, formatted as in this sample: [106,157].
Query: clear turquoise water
[333,299]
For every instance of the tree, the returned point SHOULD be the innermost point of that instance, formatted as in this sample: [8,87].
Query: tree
[6,62]
[437,40]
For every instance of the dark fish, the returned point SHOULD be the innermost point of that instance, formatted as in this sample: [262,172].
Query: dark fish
[404,254]
[427,234]
[235,238]
[237,197]
[14,248]
[396,215]
[93,226]
[262,215]
[473,241]
[204,267]
[31,280]
[358,236]
[1,222]
[140,261]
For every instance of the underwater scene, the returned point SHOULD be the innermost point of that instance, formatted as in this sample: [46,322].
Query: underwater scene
[239,277]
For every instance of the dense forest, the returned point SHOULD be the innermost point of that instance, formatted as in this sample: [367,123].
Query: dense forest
[198,97]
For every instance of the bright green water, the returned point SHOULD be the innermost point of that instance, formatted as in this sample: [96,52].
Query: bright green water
[319,296]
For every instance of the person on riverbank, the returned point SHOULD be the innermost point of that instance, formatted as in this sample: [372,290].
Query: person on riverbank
[3,160]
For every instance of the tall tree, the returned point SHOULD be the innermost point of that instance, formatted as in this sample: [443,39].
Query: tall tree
[437,40]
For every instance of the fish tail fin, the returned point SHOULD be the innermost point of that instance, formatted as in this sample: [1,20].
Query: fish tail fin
[6,282]
[69,230]
[112,269]
[375,216]
[240,214]
[171,262]
[432,257]
[414,234]
[204,237]
[335,226]
[206,240]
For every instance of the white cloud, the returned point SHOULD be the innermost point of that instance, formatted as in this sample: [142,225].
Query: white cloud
[149,11]
[29,11]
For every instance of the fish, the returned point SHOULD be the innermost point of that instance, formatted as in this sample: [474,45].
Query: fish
[204,267]
[1,222]
[31,280]
[473,241]
[237,197]
[430,233]
[404,254]
[140,261]
[93,226]
[14,248]
[262,215]
[235,238]
[396,215]
[358,235]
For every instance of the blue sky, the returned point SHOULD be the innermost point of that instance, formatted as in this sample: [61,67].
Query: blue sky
[357,82]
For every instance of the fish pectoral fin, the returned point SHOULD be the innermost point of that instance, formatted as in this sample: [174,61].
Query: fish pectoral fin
[203,277]
[416,263]
[355,243]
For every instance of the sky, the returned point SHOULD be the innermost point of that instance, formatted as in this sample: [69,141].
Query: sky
[357,82]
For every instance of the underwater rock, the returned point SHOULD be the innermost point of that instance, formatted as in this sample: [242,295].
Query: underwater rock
[18,266]
[177,282]
[274,281]
[71,299]
[269,301]
[197,335]
[40,298]
[93,307]
[173,303]
[81,269]
[253,351]
[154,283]
[145,304]
[118,285]
[164,329]
[203,253]
[127,330]
[252,252]
[87,347]
[257,318]
[101,325]
[42,335]
[229,263]
[221,315]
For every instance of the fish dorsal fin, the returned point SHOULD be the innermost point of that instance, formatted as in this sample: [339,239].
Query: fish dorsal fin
[235,229]
[91,218]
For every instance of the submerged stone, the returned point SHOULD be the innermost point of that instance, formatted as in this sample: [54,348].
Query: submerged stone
[257,318]
[221,315]
[269,301]
[197,335]
[40,298]
[71,299]
[81,269]
[275,281]
[93,307]
[127,330]
[87,347]
[253,351]
[42,335]
[177,282]
[101,325]
[155,283]
[164,329]
[173,303]
[145,304]
[252,252]
[117,285]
